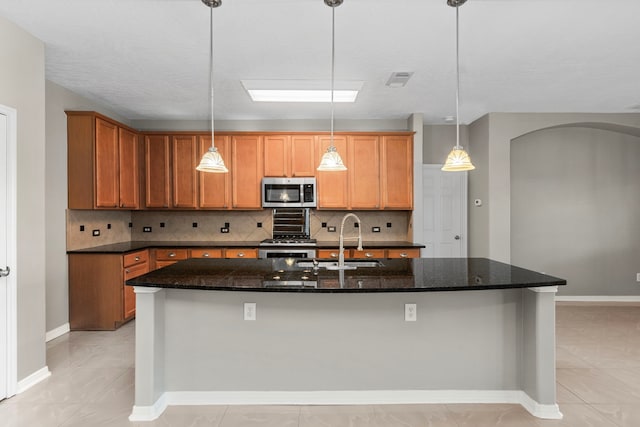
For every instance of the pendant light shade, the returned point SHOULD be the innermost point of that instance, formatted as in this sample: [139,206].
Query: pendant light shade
[212,160]
[331,160]
[458,159]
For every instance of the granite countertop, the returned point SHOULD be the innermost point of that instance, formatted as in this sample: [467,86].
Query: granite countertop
[395,275]
[121,248]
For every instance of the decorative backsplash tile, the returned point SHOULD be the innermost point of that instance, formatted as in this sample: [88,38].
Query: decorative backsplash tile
[113,227]
[207,225]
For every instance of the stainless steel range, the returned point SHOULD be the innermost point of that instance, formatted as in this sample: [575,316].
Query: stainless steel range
[290,235]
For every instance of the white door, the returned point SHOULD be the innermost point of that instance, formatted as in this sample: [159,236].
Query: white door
[3,257]
[8,325]
[445,213]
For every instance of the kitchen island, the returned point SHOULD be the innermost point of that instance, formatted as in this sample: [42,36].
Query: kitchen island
[484,332]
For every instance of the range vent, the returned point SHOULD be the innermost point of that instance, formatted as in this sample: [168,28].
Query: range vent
[399,78]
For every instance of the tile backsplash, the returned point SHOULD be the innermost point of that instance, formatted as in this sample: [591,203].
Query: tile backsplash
[206,226]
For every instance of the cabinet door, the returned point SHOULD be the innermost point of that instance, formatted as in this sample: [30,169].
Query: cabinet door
[397,172]
[332,186]
[246,178]
[277,153]
[184,150]
[364,171]
[129,296]
[156,166]
[106,165]
[302,155]
[214,187]
[129,169]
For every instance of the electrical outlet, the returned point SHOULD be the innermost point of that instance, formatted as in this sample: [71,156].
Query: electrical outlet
[146,229]
[95,233]
[249,311]
[375,229]
[224,230]
[331,229]
[410,312]
[637,277]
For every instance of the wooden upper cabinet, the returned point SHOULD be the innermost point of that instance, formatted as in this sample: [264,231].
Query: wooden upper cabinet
[364,171]
[184,151]
[107,182]
[289,155]
[156,162]
[303,161]
[247,163]
[102,163]
[277,155]
[214,188]
[332,186]
[397,172]
[129,170]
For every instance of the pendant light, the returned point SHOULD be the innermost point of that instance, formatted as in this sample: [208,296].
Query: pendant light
[331,160]
[458,159]
[212,160]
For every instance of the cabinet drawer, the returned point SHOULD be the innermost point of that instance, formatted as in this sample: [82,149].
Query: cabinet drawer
[206,253]
[171,254]
[136,270]
[403,253]
[136,258]
[328,253]
[367,253]
[160,264]
[241,253]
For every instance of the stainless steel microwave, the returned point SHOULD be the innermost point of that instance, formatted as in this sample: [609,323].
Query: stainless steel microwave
[289,192]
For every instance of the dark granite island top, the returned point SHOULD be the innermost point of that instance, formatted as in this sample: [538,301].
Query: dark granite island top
[393,275]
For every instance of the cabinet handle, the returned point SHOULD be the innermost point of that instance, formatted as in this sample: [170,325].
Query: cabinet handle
[240,254]
[334,255]
[172,254]
[206,254]
[368,255]
[127,271]
[137,258]
[404,255]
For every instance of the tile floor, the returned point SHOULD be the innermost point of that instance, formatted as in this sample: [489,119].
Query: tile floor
[598,375]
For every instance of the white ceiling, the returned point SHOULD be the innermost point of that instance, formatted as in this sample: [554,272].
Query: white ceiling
[148,59]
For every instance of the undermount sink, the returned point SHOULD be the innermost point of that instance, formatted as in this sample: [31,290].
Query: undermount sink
[348,265]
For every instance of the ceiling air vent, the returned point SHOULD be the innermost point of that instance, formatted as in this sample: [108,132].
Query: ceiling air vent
[399,78]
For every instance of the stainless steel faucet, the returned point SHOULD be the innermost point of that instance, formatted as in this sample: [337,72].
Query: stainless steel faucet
[341,253]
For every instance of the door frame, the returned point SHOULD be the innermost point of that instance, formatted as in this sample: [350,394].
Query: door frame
[12,246]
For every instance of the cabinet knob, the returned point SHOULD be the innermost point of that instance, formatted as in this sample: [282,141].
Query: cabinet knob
[137,258]
[334,255]
[206,254]
[368,255]
[404,255]
[172,254]
[127,271]
[240,254]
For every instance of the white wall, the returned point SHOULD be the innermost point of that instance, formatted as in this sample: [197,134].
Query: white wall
[59,99]
[22,88]
[575,208]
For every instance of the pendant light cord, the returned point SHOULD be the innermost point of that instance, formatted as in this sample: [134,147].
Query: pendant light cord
[333,61]
[211,69]
[457,82]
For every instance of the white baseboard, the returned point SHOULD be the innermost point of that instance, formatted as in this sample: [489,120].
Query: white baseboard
[33,379]
[371,397]
[599,298]
[57,332]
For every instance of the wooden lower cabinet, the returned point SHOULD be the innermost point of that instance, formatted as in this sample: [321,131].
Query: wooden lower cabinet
[241,253]
[165,257]
[369,253]
[98,297]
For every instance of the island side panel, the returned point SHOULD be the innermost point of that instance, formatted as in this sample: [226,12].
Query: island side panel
[539,344]
[150,351]
[311,342]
